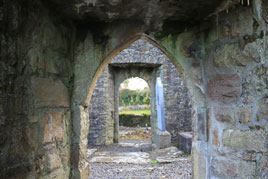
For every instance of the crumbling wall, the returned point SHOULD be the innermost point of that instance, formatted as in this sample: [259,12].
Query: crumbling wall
[224,62]
[35,73]
[236,68]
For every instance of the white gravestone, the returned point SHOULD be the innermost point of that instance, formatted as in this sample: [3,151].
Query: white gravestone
[160,104]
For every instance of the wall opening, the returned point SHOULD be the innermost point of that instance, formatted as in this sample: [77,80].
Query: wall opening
[135,112]
[141,59]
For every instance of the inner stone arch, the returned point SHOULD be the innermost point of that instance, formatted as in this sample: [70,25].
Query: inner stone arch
[144,60]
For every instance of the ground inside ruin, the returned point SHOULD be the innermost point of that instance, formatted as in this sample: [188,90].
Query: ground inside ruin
[133,157]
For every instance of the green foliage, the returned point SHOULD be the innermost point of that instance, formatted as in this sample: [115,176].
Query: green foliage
[146,99]
[131,100]
[134,97]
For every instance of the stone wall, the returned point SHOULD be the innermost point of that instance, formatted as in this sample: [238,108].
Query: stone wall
[134,120]
[101,111]
[177,102]
[35,73]
[46,62]
[237,93]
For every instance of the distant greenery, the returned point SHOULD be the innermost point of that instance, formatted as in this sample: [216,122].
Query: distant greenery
[140,111]
[129,97]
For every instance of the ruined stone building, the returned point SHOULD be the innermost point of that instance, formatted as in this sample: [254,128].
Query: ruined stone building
[53,51]
[140,59]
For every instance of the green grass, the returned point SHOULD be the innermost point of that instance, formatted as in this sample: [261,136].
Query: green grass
[141,111]
[153,161]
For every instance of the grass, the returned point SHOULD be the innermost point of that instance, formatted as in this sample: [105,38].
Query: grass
[153,161]
[140,111]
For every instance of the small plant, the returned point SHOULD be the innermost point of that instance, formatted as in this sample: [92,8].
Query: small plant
[153,161]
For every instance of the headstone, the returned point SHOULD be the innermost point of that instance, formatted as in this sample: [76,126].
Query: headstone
[160,104]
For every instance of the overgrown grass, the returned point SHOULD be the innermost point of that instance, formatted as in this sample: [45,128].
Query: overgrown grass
[140,111]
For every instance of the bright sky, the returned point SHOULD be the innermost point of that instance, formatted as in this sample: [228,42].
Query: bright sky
[137,83]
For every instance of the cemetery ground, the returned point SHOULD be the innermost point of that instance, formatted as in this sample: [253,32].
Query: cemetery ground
[140,111]
[133,158]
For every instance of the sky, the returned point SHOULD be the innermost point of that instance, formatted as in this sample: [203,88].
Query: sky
[136,83]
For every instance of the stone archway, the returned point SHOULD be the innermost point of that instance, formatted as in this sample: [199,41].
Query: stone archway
[81,113]
[148,74]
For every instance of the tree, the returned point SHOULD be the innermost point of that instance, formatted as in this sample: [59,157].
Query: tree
[131,100]
[146,99]
[137,100]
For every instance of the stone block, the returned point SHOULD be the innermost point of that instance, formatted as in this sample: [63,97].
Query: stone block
[244,114]
[185,142]
[201,126]
[228,55]
[262,112]
[224,88]
[242,23]
[255,140]
[263,167]
[251,52]
[199,163]
[162,139]
[50,93]
[134,120]
[215,139]
[221,168]
[224,115]
[53,159]
[29,139]
[53,127]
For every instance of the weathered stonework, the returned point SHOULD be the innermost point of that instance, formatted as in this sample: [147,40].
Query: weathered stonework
[232,169]
[225,89]
[224,115]
[132,120]
[68,48]
[177,102]
[247,140]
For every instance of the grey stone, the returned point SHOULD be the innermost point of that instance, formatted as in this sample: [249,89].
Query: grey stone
[232,169]
[185,142]
[163,139]
[251,140]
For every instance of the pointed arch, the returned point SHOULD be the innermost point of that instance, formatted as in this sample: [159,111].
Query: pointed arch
[117,50]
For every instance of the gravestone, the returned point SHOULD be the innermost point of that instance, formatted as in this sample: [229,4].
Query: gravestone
[163,137]
[160,104]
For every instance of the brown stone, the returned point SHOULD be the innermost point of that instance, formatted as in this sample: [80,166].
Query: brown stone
[224,88]
[30,139]
[49,92]
[53,127]
[224,115]
[215,140]
[244,114]
[53,157]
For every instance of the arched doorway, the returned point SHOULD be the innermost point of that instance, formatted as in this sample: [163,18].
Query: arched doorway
[99,70]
